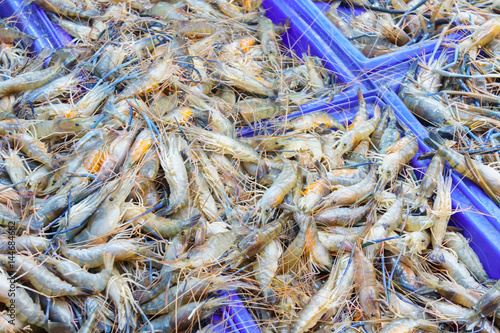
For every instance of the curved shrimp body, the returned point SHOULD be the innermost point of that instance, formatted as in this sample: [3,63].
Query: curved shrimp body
[313,194]
[458,271]
[343,216]
[381,229]
[159,73]
[275,194]
[404,274]
[441,212]
[260,238]
[481,36]
[255,109]
[313,121]
[487,304]
[295,250]
[73,273]
[331,295]
[61,127]
[395,159]
[10,126]
[407,325]
[346,177]
[93,257]
[29,81]
[28,243]
[318,252]
[209,252]
[429,182]
[366,285]
[358,133]
[350,194]
[466,254]
[266,266]
[239,79]
[67,9]
[153,223]
[35,149]
[27,311]
[390,135]
[175,173]
[335,238]
[41,278]
[8,216]
[451,291]
[226,145]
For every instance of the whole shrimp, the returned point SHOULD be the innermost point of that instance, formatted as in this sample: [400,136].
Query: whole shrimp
[441,212]
[429,182]
[466,254]
[153,223]
[334,292]
[74,274]
[366,285]
[265,268]
[41,278]
[175,173]
[29,81]
[93,256]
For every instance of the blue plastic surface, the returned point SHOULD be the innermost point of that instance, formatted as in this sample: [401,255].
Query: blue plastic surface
[32,20]
[313,15]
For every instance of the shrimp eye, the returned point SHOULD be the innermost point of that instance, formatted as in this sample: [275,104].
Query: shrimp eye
[373,314]
[54,181]
[111,199]
[183,233]
[53,266]
[345,143]
[423,240]
[188,256]
[77,124]
[276,143]
[10,133]
[267,210]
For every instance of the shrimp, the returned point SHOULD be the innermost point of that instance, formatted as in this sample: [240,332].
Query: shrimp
[350,194]
[35,149]
[152,223]
[161,71]
[334,292]
[29,81]
[207,253]
[28,243]
[336,237]
[486,305]
[358,133]
[441,212]
[118,290]
[429,182]
[366,285]
[418,223]
[275,194]
[390,135]
[40,277]
[458,271]
[255,109]
[294,251]
[93,256]
[257,240]
[74,274]
[175,174]
[466,254]
[27,311]
[265,268]
[167,11]
[239,79]
[312,195]
[67,8]
[343,216]
[313,121]
[383,226]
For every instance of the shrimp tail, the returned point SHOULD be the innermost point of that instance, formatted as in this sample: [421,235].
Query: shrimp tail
[437,140]
[82,291]
[436,256]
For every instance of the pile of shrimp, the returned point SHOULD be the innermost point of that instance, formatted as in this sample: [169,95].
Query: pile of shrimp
[455,93]
[129,203]
[387,26]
